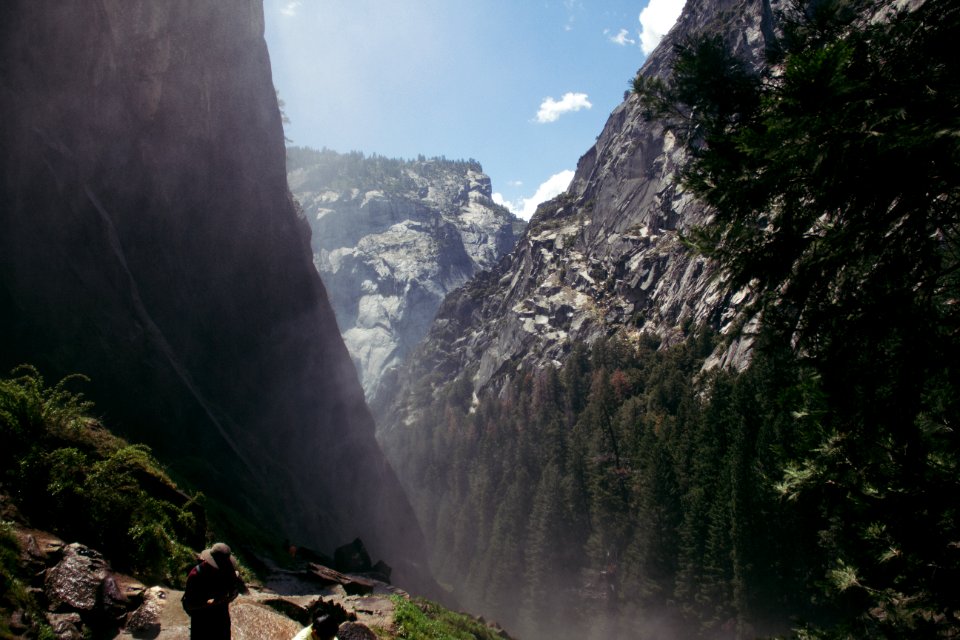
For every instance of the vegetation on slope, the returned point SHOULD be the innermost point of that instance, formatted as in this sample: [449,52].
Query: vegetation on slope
[356,170]
[67,474]
[836,195]
[624,493]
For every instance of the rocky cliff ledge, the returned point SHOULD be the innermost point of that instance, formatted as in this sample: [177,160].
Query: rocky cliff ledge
[149,240]
[391,238]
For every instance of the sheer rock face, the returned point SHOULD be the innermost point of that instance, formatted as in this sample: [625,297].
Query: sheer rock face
[149,240]
[391,239]
[605,257]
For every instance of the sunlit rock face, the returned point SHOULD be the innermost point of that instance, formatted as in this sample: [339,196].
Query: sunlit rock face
[149,241]
[391,238]
[604,258]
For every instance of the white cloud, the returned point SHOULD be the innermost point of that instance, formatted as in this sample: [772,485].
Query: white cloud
[571,6]
[656,20]
[622,38]
[551,110]
[526,207]
[291,7]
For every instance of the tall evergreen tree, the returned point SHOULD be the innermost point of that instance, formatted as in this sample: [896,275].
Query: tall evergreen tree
[835,186]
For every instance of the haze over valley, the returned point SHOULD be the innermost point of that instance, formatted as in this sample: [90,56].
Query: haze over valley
[617,320]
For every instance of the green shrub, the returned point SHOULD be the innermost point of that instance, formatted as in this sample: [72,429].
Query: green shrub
[31,411]
[69,475]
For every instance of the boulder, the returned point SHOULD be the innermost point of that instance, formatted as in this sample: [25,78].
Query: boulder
[253,621]
[38,550]
[76,582]
[353,585]
[145,621]
[289,609]
[352,558]
[66,626]
[355,631]
[309,555]
[381,571]
[114,604]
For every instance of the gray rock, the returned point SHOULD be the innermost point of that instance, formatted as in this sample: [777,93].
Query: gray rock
[66,626]
[145,620]
[391,238]
[355,631]
[76,582]
[352,558]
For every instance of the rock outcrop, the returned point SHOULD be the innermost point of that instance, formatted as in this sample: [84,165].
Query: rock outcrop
[605,257]
[149,240]
[391,239]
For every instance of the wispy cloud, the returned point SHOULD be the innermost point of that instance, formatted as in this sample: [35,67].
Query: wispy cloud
[622,38]
[291,7]
[571,6]
[551,110]
[656,20]
[551,188]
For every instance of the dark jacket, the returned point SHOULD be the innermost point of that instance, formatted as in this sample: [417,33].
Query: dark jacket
[207,599]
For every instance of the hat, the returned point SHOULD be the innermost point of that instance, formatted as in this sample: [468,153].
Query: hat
[218,556]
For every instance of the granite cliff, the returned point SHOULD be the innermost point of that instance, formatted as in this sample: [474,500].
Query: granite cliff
[495,425]
[391,238]
[150,241]
[605,257]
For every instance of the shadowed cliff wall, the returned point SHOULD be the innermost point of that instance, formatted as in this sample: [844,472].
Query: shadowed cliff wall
[149,241]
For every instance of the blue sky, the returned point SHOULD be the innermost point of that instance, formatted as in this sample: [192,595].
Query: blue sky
[523,86]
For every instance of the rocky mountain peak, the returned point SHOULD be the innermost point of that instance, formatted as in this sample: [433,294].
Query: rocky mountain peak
[391,238]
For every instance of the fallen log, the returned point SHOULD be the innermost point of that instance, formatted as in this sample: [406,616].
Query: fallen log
[353,585]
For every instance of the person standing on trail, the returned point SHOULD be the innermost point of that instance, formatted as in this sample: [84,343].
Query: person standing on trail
[211,586]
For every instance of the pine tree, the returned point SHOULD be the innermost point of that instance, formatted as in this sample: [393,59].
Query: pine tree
[835,193]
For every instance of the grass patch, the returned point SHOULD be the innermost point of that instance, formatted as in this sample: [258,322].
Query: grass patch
[420,619]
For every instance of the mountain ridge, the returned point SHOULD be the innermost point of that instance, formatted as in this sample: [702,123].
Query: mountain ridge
[607,255]
[390,239]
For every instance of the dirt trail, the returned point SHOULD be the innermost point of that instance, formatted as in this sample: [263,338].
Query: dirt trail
[253,619]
